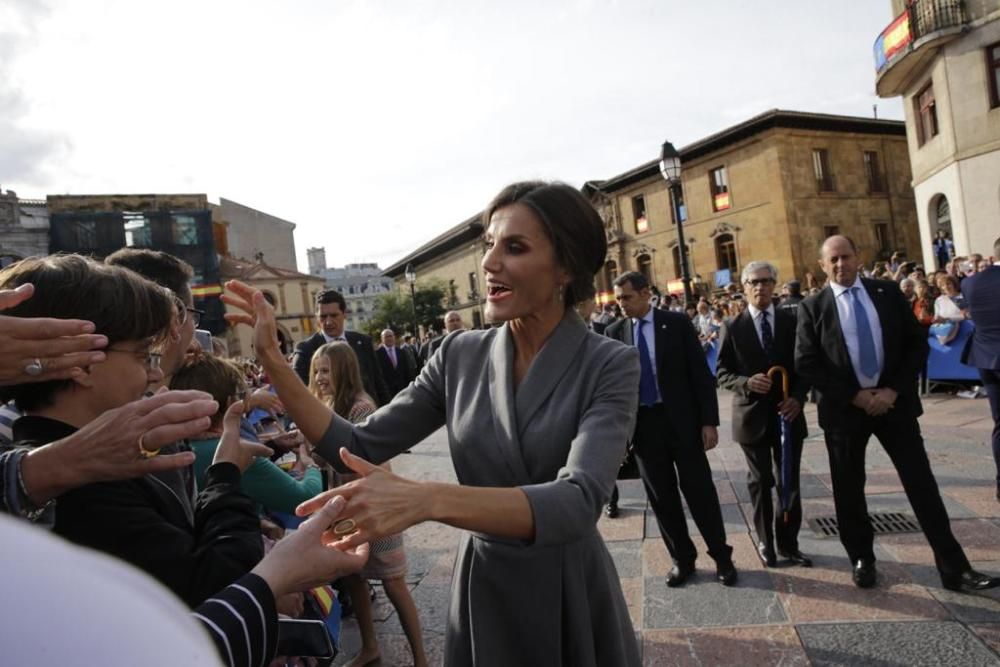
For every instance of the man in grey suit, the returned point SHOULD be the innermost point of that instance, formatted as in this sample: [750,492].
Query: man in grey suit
[670,444]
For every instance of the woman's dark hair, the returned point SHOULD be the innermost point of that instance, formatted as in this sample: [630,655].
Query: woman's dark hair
[571,224]
[122,305]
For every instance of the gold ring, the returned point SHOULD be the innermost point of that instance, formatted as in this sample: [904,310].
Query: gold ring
[146,453]
[345,527]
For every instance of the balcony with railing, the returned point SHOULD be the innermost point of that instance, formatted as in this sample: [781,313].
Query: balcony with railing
[913,39]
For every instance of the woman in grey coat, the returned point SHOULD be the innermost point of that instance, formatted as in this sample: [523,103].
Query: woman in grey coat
[538,412]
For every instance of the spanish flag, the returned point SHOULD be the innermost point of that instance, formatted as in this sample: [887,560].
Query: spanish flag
[206,290]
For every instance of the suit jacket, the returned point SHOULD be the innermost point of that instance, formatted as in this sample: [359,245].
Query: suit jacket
[685,381]
[375,385]
[822,359]
[560,437]
[741,356]
[395,377]
[982,294]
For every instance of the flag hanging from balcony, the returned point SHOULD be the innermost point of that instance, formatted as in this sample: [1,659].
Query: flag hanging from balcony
[892,40]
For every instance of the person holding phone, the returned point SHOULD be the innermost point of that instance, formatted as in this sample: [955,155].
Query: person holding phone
[538,412]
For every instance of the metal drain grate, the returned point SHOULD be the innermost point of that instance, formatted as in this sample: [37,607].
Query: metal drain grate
[883,523]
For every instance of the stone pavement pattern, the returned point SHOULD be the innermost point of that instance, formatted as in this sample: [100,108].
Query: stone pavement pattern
[781,616]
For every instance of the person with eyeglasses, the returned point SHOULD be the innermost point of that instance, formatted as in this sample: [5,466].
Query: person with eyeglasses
[140,520]
[761,337]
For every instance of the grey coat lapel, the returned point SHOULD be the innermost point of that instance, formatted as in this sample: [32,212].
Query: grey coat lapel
[628,335]
[549,366]
[504,410]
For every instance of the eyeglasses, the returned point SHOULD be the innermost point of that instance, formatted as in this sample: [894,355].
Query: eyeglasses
[151,359]
[184,311]
[196,315]
[756,282]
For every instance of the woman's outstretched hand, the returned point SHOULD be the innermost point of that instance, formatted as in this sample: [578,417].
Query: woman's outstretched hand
[379,504]
[256,312]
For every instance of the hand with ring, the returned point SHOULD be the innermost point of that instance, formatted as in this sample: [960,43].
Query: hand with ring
[36,349]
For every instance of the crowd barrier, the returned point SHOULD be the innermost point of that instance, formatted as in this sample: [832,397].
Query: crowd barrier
[944,362]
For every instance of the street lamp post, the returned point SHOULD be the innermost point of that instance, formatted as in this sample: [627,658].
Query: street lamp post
[670,167]
[411,277]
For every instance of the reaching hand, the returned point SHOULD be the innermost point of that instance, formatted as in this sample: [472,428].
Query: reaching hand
[60,347]
[232,448]
[257,313]
[263,398]
[379,503]
[303,560]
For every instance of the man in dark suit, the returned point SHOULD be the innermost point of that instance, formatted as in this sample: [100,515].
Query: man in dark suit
[759,338]
[859,344]
[392,364]
[670,445]
[982,295]
[331,310]
[452,322]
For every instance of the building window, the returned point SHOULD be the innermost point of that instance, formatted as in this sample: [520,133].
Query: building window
[676,253]
[645,263]
[882,239]
[873,172]
[610,273]
[679,193]
[719,185]
[639,212]
[925,110]
[993,73]
[821,169]
[725,252]
[185,230]
[943,214]
[86,234]
[138,231]
[830,230]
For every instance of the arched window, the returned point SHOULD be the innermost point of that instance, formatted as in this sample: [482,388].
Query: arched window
[725,252]
[676,253]
[270,298]
[942,214]
[645,264]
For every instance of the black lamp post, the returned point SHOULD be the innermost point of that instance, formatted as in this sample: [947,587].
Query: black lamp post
[411,277]
[670,167]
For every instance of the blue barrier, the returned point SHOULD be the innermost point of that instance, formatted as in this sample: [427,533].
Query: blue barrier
[944,362]
[712,355]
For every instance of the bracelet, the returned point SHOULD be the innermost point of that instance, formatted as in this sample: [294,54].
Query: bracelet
[29,510]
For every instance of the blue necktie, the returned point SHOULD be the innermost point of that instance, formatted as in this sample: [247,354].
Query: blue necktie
[767,336]
[866,343]
[647,378]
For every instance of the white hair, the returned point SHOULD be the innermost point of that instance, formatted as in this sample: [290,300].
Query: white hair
[753,267]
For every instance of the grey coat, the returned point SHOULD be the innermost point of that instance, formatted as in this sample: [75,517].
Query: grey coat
[560,438]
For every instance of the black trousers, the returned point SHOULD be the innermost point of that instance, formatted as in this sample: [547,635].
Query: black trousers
[901,439]
[764,461]
[669,466]
[991,383]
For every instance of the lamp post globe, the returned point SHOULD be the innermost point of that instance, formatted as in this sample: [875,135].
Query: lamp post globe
[670,168]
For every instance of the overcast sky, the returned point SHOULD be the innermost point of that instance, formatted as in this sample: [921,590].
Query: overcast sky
[375,126]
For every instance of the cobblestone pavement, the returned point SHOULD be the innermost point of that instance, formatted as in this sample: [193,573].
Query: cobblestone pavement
[782,616]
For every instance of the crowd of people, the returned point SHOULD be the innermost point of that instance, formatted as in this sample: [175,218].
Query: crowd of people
[245,489]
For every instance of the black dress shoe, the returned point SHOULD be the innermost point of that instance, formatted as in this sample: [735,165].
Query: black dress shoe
[611,510]
[679,573]
[726,573]
[864,574]
[796,557]
[766,553]
[969,581]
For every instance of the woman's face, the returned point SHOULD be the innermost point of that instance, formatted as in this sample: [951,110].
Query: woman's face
[124,375]
[322,375]
[522,274]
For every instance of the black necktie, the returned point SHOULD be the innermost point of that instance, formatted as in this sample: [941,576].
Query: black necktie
[767,335]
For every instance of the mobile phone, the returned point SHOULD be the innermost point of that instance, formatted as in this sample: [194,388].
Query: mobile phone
[305,638]
[268,428]
[204,338]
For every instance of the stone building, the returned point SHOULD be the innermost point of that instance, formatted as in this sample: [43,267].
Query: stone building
[943,58]
[772,188]
[361,284]
[454,260]
[291,293]
[24,228]
[254,235]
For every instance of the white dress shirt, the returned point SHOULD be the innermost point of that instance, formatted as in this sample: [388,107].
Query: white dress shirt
[849,327]
[755,315]
[330,339]
[649,332]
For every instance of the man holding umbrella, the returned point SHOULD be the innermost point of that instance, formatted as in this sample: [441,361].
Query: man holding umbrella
[767,421]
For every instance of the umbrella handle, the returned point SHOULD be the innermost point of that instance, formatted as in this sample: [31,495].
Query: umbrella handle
[784,378]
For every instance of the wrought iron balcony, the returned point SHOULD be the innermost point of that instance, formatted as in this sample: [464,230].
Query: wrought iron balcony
[913,39]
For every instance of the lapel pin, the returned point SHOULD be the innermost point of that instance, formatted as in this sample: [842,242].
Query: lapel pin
[879,290]
[663,326]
